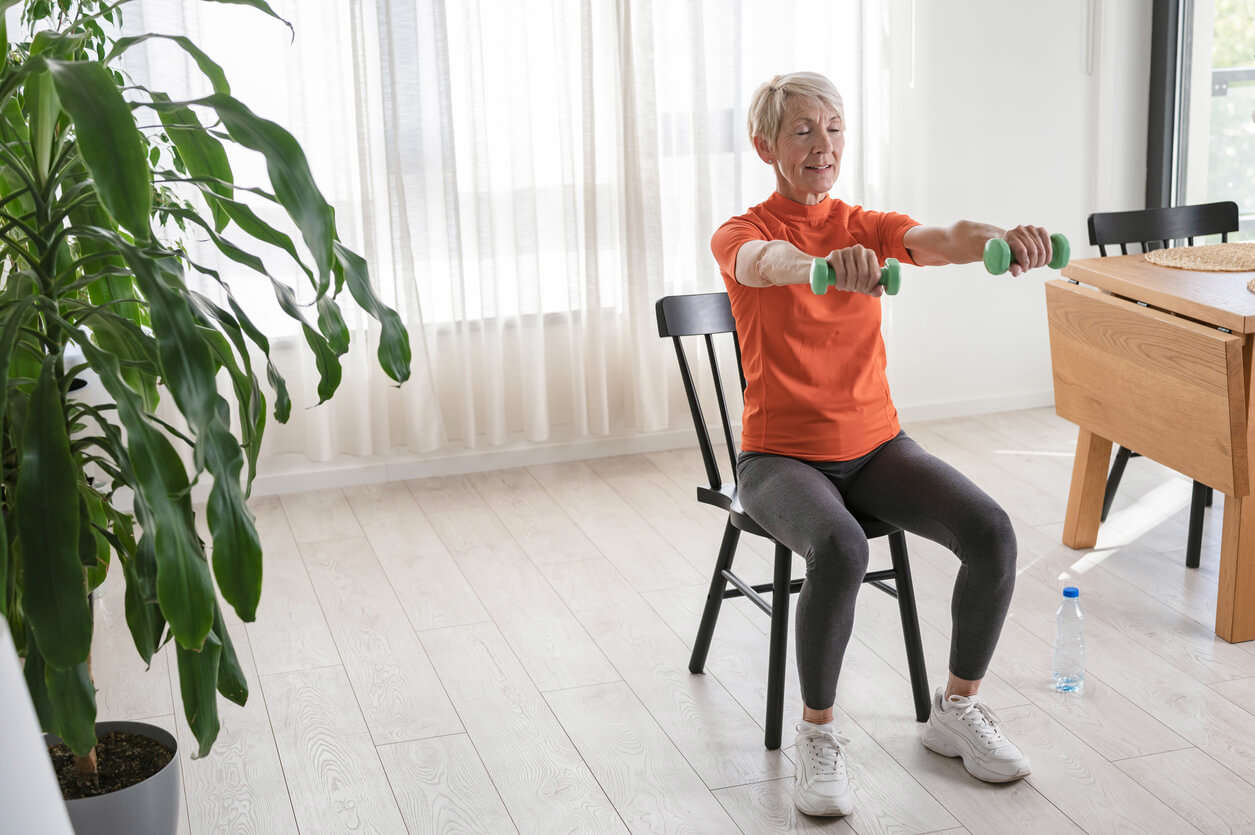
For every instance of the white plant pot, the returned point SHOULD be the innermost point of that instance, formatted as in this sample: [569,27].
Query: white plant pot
[149,807]
[29,793]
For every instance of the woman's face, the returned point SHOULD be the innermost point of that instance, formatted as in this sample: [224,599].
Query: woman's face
[807,153]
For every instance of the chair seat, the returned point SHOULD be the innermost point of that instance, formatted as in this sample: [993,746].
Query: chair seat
[726,498]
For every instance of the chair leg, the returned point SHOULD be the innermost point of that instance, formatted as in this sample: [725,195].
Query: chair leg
[779,646]
[1194,544]
[910,626]
[1113,479]
[714,599]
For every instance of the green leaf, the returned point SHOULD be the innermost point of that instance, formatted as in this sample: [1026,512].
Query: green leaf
[283,403]
[394,340]
[124,339]
[231,681]
[57,44]
[13,317]
[33,671]
[43,109]
[54,594]
[249,399]
[260,5]
[54,44]
[143,615]
[189,373]
[325,357]
[288,170]
[198,680]
[113,285]
[15,120]
[184,587]
[247,220]
[63,257]
[86,542]
[72,699]
[331,323]
[203,154]
[108,140]
[326,361]
[186,364]
[211,70]
[236,548]
[4,33]
[96,518]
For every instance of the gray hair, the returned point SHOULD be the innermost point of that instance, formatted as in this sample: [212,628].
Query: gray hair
[767,106]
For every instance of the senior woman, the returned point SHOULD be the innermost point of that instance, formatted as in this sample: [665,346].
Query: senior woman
[820,435]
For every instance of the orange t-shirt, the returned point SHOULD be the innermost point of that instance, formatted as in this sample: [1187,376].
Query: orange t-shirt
[815,384]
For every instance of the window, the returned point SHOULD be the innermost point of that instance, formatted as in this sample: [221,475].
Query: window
[1214,157]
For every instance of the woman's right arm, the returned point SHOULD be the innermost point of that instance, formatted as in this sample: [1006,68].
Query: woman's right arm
[778,263]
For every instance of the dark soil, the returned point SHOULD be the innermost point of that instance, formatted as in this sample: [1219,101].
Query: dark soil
[122,760]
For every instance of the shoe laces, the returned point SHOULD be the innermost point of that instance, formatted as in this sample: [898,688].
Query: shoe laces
[980,717]
[824,749]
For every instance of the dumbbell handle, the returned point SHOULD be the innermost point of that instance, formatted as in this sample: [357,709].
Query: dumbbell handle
[998,258]
[824,276]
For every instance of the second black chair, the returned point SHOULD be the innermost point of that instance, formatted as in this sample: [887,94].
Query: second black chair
[1153,229]
[705,314]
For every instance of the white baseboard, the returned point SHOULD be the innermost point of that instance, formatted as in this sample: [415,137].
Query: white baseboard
[942,409]
[294,474]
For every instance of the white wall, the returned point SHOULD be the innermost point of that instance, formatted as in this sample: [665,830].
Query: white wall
[1008,120]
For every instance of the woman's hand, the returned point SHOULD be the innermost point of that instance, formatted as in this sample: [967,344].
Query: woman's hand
[1030,248]
[857,270]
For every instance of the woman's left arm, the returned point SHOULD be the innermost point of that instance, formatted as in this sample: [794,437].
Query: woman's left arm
[964,243]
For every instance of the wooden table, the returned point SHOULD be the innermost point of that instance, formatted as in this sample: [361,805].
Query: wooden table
[1159,360]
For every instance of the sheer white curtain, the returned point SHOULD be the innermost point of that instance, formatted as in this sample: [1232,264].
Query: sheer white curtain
[526,179]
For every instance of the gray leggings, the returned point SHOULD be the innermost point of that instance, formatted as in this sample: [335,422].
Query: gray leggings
[806,506]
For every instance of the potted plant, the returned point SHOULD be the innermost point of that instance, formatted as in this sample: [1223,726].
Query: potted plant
[102,181]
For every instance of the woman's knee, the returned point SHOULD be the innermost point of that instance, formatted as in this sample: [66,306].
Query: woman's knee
[839,553]
[990,538]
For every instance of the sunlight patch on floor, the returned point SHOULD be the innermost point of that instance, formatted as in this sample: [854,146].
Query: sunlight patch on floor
[1086,562]
[1045,452]
[1144,515]
[1126,526]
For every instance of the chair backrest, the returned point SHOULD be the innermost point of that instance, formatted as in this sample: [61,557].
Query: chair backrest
[1154,228]
[702,314]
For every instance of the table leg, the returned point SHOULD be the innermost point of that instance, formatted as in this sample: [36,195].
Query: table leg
[1235,593]
[1235,598]
[1089,479]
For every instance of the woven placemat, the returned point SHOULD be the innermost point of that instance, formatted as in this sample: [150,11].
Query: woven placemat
[1234,257]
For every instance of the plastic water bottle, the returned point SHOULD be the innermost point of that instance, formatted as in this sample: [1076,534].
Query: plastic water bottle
[1069,662]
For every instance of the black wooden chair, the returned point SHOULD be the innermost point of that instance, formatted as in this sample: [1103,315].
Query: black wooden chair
[706,314]
[1153,229]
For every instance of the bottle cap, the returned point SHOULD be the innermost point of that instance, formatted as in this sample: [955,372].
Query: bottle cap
[1071,591]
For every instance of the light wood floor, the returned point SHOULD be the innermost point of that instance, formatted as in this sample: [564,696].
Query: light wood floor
[507,652]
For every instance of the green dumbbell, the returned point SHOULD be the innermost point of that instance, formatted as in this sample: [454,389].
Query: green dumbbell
[998,254]
[823,276]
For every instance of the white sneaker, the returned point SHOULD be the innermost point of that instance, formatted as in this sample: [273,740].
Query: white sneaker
[967,727]
[821,784]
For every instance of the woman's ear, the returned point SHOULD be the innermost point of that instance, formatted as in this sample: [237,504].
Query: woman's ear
[764,150]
